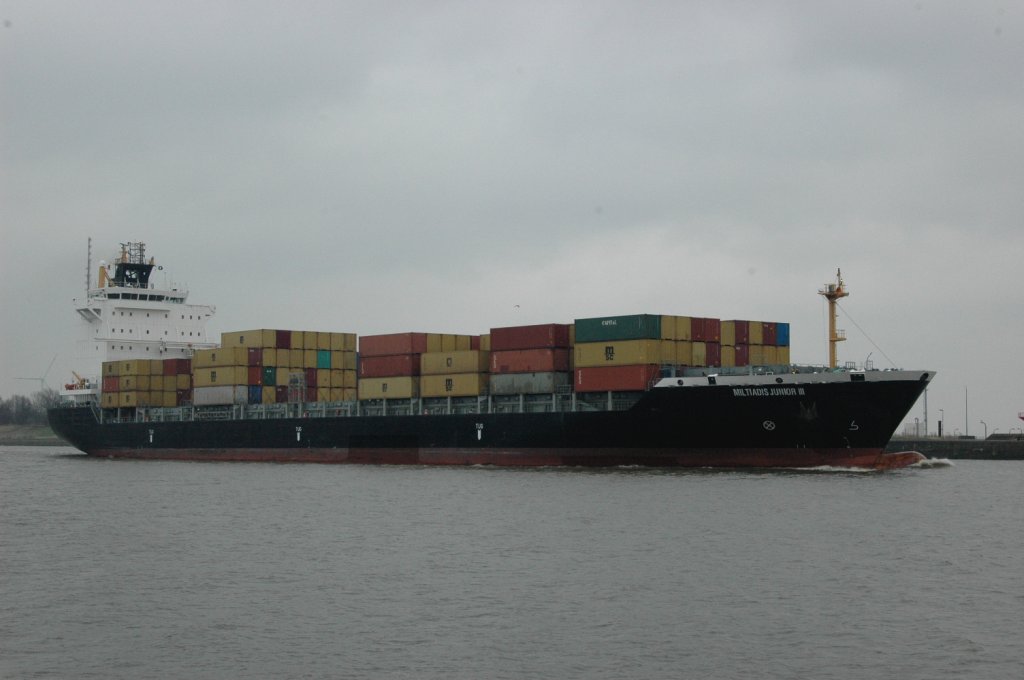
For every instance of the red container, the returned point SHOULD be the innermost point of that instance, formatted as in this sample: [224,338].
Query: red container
[255,376]
[110,384]
[742,355]
[177,366]
[391,344]
[311,381]
[742,332]
[474,342]
[769,333]
[183,397]
[389,366]
[706,330]
[281,394]
[255,358]
[529,360]
[530,337]
[713,353]
[310,394]
[283,339]
[637,377]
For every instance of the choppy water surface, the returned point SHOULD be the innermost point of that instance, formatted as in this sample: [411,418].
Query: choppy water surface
[121,569]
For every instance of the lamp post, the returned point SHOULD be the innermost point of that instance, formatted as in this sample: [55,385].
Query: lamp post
[986,427]
[942,419]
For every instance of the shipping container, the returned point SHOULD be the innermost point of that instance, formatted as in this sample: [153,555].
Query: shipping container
[176,366]
[126,383]
[756,332]
[627,327]
[156,367]
[131,367]
[714,354]
[111,399]
[530,383]
[281,394]
[699,353]
[707,329]
[183,397]
[283,339]
[220,356]
[182,381]
[142,382]
[394,387]
[742,328]
[728,356]
[530,360]
[540,336]
[252,338]
[668,327]
[615,378]
[768,333]
[389,365]
[111,369]
[269,377]
[156,383]
[268,395]
[255,394]
[323,377]
[456,361]
[392,344]
[220,395]
[169,399]
[310,340]
[684,328]
[343,342]
[782,334]
[110,384]
[254,375]
[783,358]
[617,353]
[297,341]
[729,333]
[485,342]
[310,376]
[219,375]
[756,355]
[254,356]
[684,352]
[742,355]
[454,385]
[342,378]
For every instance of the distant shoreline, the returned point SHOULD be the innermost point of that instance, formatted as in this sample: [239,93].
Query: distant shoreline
[29,435]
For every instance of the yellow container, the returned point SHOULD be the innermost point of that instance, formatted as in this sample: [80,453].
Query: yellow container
[220,356]
[323,341]
[142,382]
[255,338]
[699,354]
[342,342]
[182,381]
[485,342]
[617,353]
[343,378]
[684,353]
[783,355]
[111,369]
[295,357]
[398,387]
[220,375]
[156,367]
[132,367]
[270,356]
[771,355]
[756,334]
[297,340]
[756,355]
[668,327]
[168,399]
[309,358]
[323,393]
[127,383]
[728,334]
[728,356]
[460,361]
[323,378]
[454,385]
[684,328]
[156,383]
[309,339]
[111,399]
[668,352]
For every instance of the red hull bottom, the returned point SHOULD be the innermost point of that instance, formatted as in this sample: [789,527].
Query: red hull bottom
[714,458]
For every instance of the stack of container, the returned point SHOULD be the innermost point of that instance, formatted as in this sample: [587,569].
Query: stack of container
[531,359]
[144,382]
[390,364]
[457,373]
[755,343]
[622,353]
[276,366]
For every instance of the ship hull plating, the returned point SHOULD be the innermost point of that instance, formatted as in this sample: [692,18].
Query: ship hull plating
[843,424]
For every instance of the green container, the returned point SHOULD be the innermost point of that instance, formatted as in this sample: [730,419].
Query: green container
[269,376]
[323,358]
[628,327]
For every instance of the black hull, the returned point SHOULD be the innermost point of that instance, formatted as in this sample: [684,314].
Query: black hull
[845,423]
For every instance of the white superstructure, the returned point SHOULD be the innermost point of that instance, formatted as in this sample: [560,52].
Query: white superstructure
[126,317]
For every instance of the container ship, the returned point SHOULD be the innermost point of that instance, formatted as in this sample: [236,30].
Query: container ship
[626,390]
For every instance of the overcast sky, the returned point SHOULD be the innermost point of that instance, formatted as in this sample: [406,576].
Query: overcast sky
[377,167]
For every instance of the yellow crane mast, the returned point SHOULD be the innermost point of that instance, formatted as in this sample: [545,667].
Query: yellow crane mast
[832,293]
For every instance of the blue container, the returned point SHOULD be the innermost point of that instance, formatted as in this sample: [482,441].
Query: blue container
[782,334]
[255,394]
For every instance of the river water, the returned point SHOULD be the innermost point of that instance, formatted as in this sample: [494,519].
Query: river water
[124,569]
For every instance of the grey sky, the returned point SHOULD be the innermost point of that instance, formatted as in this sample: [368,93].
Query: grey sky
[388,166]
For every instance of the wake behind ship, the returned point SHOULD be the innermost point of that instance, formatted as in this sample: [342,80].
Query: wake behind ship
[640,389]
